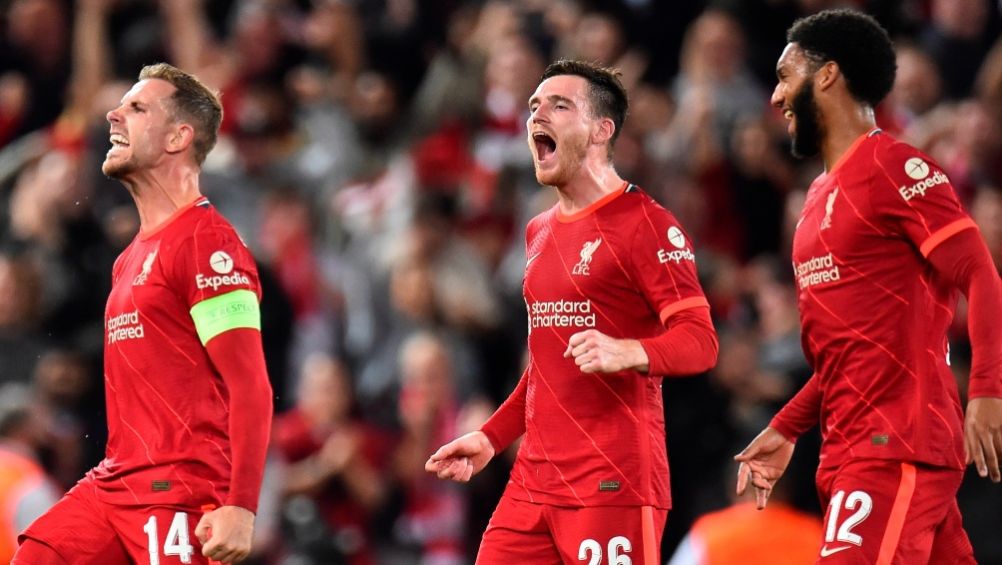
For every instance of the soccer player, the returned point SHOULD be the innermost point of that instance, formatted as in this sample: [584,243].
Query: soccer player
[614,304]
[188,398]
[880,251]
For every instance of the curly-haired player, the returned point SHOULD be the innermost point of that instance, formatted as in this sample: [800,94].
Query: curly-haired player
[880,251]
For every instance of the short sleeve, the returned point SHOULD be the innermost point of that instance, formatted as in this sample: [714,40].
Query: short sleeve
[664,262]
[912,196]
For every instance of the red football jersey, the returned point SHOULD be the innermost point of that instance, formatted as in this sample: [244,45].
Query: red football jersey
[168,408]
[622,266]
[874,314]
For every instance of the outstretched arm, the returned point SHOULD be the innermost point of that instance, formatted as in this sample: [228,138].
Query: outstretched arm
[467,455]
[765,459]
[964,259]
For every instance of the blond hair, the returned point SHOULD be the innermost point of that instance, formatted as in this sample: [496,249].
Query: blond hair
[192,103]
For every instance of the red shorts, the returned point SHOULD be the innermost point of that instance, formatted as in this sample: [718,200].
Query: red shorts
[525,532]
[84,530]
[887,512]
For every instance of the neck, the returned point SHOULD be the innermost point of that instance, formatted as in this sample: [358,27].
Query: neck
[593,180]
[160,193]
[843,126]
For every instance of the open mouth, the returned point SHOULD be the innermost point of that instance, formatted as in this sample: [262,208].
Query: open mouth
[118,140]
[546,146]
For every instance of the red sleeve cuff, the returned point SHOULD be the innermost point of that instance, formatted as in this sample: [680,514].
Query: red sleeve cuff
[944,233]
[984,388]
[784,428]
[684,304]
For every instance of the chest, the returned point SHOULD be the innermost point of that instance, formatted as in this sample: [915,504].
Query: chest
[580,259]
[835,223]
[140,281]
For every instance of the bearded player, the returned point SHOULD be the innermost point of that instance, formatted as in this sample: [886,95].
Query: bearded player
[188,398]
[614,305]
[879,254]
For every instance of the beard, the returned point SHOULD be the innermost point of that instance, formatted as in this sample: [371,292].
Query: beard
[808,132]
[570,157]
[117,169]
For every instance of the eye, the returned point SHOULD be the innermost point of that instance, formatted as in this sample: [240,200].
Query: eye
[560,106]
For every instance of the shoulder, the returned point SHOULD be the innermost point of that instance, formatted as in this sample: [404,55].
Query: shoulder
[904,170]
[205,225]
[901,161]
[540,221]
[641,211]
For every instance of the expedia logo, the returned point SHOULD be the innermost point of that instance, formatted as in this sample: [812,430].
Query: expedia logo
[920,188]
[216,281]
[676,256]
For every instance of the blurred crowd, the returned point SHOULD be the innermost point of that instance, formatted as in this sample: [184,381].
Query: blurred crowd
[373,156]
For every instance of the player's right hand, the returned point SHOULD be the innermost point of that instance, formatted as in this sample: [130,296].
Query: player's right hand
[226,533]
[461,458]
[763,463]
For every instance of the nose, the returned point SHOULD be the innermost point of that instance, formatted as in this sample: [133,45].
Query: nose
[537,115]
[777,96]
[112,116]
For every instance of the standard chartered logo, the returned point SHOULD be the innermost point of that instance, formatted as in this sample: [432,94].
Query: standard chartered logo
[561,314]
[216,281]
[124,326]
[816,270]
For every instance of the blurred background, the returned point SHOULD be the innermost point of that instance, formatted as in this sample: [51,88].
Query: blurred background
[373,156]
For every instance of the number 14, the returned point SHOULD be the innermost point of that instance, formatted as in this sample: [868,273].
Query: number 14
[177,541]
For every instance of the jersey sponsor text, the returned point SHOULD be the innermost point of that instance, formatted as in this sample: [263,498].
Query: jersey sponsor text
[817,270]
[125,326]
[676,256]
[561,314]
[921,187]
[216,281]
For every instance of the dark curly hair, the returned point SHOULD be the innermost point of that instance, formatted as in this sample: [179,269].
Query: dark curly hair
[605,91]
[857,43]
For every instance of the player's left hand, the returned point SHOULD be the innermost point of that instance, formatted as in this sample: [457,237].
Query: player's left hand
[226,533]
[596,352]
[983,436]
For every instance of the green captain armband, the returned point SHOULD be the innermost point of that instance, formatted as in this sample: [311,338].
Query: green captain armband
[237,309]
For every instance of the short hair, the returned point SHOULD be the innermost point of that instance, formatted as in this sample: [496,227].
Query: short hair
[605,91]
[857,43]
[193,103]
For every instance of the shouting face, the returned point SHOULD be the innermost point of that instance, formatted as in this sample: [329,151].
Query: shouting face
[140,128]
[560,127]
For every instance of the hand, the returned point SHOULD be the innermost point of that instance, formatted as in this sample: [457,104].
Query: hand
[763,461]
[983,436]
[461,458]
[226,533]
[596,352]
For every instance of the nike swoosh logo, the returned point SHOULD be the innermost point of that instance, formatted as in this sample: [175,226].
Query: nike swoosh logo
[531,259]
[825,552]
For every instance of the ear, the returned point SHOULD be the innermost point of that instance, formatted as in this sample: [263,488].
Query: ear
[827,75]
[180,137]
[603,131]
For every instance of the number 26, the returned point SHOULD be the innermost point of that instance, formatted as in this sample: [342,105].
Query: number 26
[591,550]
